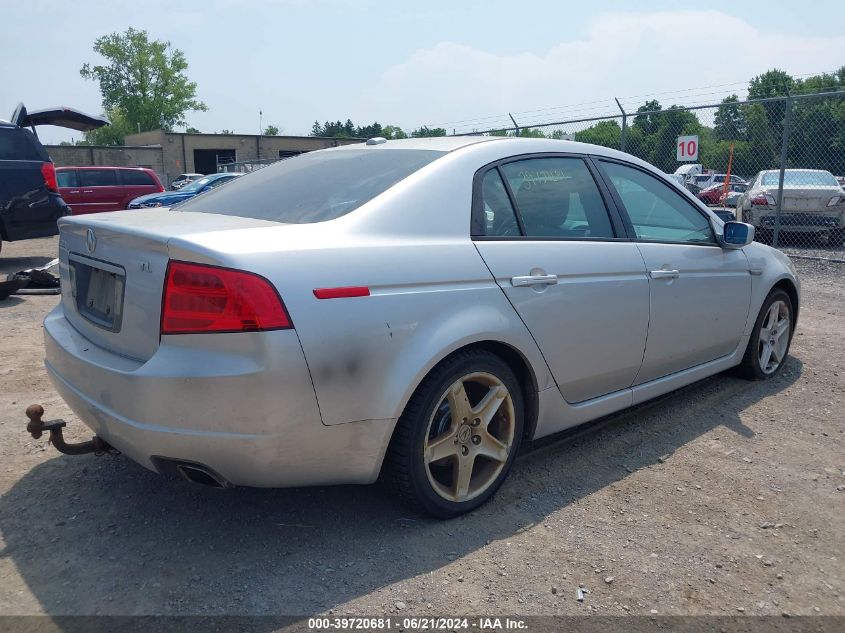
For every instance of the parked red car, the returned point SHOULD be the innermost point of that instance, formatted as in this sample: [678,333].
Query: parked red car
[713,194]
[97,189]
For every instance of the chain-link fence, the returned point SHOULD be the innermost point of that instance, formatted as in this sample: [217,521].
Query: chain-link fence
[777,163]
[246,166]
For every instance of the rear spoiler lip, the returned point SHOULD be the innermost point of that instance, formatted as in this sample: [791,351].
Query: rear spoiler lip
[61,116]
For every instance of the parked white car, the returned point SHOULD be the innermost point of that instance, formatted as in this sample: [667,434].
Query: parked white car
[184,179]
[414,309]
[813,204]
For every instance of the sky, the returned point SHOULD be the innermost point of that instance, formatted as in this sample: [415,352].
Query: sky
[461,65]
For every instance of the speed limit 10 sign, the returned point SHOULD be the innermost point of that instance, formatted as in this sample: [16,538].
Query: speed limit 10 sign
[686,148]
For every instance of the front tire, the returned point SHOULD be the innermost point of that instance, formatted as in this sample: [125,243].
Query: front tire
[770,339]
[455,443]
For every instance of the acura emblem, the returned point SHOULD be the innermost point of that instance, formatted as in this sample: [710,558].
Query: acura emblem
[91,241]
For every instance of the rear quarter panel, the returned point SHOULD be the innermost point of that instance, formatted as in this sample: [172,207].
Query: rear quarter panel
[431,292]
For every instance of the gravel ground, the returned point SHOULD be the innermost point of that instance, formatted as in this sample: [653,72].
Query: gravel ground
[724,498]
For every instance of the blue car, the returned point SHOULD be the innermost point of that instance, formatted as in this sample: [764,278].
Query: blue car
[172,198]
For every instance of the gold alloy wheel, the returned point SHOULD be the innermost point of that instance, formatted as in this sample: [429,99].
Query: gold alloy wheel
[469,436]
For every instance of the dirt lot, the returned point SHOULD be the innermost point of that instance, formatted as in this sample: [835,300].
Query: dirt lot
[724,498]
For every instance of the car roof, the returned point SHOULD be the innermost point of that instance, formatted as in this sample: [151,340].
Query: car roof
[508,144]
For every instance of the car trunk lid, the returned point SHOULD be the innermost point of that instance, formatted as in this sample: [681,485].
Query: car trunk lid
[61,116]
[113,266]
[805,199]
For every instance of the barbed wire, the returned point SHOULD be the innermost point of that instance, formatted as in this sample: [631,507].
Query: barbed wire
[488,121]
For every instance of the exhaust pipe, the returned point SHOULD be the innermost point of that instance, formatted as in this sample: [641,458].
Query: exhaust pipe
[199,474]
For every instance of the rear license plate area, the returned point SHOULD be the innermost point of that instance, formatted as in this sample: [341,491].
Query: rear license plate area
[97,289]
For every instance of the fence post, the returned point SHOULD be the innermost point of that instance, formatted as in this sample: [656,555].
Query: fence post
[783,149]
[515,125]
[624,125]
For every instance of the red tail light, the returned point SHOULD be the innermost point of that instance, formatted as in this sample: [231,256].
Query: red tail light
[199,298]
[48,171]
[763,200]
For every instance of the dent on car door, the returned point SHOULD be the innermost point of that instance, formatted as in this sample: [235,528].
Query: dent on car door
[700,292]
[544,230]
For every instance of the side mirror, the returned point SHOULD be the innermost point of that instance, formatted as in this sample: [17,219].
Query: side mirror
[737,234]
[206,188]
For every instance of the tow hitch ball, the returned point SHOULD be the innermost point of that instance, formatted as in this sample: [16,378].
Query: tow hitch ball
[36,426]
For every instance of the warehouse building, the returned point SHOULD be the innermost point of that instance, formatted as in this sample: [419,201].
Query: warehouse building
[173,153]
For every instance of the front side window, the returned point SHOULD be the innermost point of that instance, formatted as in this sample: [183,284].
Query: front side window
[97,177]
[656,210]
[558,197]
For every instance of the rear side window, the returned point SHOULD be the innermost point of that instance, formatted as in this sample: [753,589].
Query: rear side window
[499,217]
[557,197]
[136,177]
[20,144]
[97,177]
[313,187]
[67,178]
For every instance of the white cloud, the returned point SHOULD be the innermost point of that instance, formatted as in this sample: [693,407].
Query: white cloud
[621,55]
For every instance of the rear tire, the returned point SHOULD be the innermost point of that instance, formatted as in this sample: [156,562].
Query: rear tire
[770,339]
[455,443]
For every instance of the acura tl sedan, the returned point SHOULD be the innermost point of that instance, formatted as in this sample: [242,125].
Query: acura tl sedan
[411,311]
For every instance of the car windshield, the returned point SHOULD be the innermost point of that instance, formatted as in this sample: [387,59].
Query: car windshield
[195,186]
[314,187]
[800,177]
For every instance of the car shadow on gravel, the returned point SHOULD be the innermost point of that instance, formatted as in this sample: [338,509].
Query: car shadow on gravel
[101,535]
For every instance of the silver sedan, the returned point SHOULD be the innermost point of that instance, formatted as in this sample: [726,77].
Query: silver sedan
[411,310]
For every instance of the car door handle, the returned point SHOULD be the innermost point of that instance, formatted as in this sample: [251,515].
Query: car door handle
[74,191]
[665,274]
[87,191]
[534,280]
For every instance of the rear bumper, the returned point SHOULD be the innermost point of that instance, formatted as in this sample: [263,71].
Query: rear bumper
[245,409]
[799,222]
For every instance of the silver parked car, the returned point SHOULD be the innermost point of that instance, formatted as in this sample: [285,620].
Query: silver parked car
[184,179]
[413,309]
[813,204]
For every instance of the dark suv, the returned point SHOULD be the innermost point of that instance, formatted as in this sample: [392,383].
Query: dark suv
[30,202]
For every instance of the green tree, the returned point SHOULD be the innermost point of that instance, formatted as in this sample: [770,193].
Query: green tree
[192,130]
[729,122]
[144,80]
[648,123]
[425,131]
[393,132]
[605,133]
[225,131]
[113,133]
[271,130]
[772,83]
[532,132]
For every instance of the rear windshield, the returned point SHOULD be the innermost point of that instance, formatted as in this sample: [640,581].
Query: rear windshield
[19,144]
[800,177]
[313,187]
